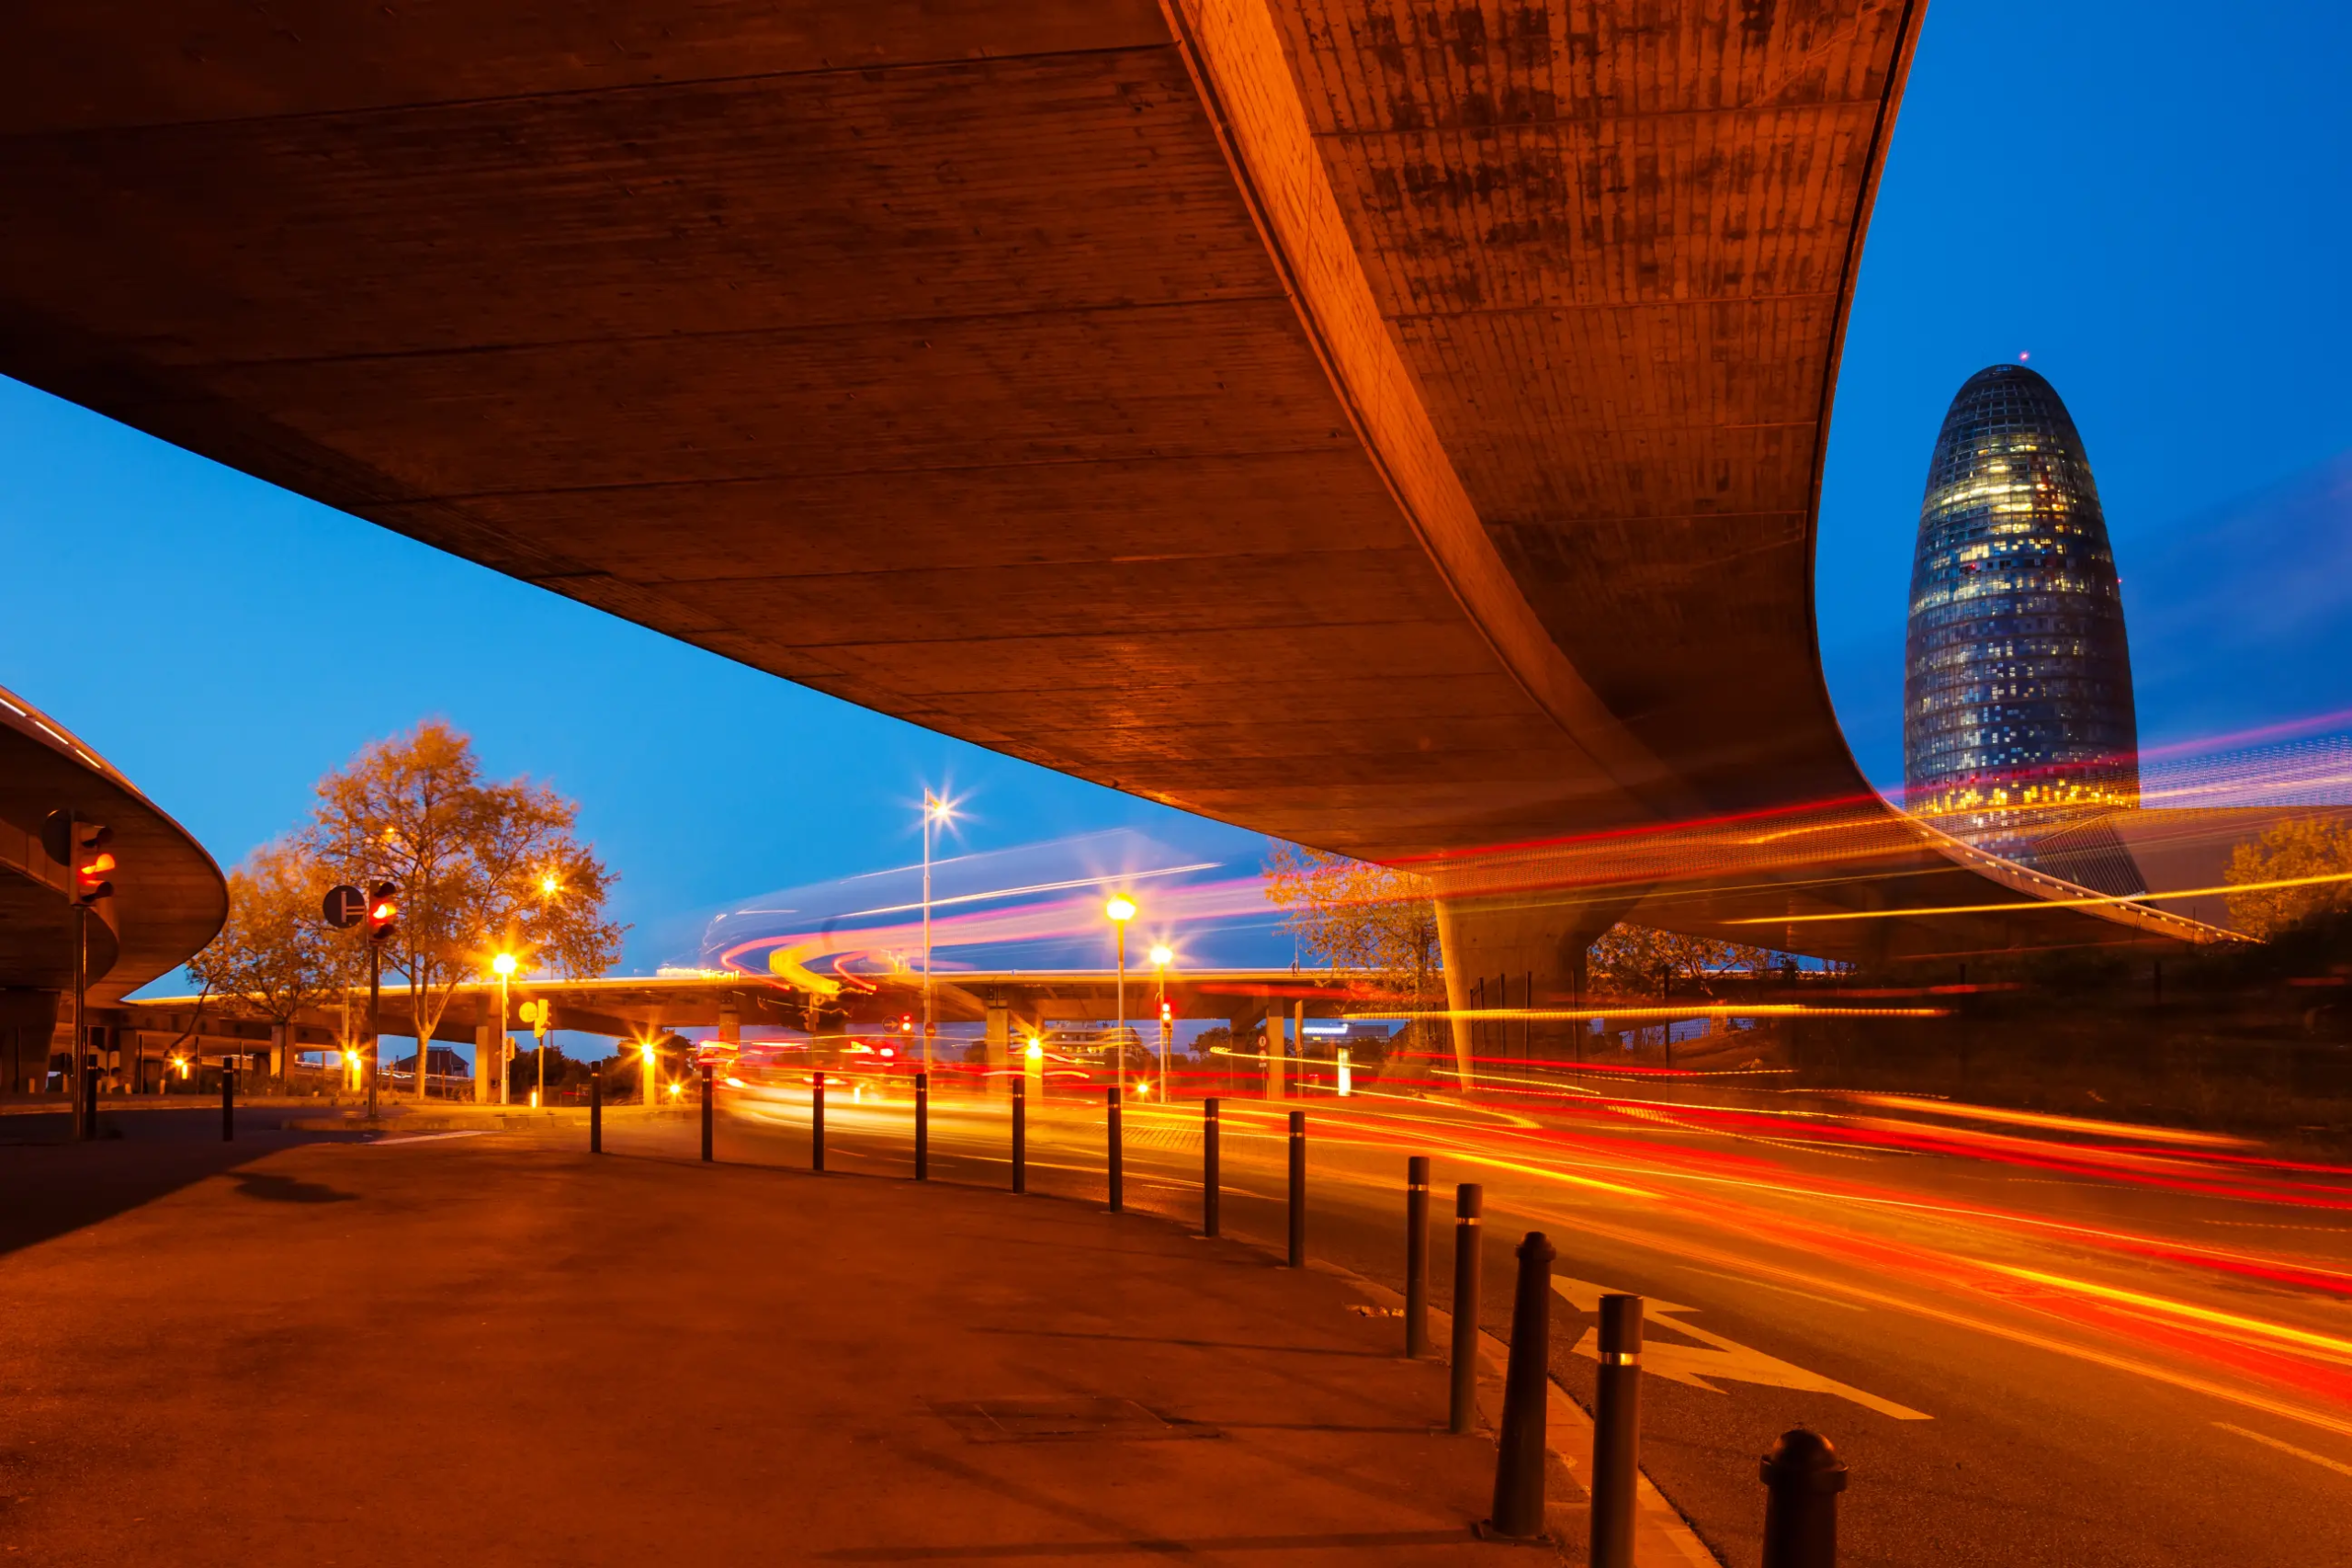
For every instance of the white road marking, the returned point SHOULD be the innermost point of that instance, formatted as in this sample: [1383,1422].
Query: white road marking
[1718,1357]
[428,1137]
[2339,1467]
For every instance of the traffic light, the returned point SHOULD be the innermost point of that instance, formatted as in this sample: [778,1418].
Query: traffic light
[906,1023]
[383,913]
[81,847]
[1166,1015]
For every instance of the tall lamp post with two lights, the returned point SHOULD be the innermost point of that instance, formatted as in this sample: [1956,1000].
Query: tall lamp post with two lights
[1161,957]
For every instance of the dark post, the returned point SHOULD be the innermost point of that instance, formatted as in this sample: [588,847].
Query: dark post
[1519,1454]
[705,1111]
[597,1113]
[228,1100]
[923,1126]
[1117,1155]
[1020,1134]
[1210,1179]
[1616,1432]
[817,1123]
[1468,1199]
[1803,1476]
[1298,1189]
[375,1021]
[1417,1256]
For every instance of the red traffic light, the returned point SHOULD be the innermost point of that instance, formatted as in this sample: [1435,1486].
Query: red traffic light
[1167,1011]
[906,1023]
[383,911]
[81,846]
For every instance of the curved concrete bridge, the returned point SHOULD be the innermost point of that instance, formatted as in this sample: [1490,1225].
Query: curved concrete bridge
[1396,427]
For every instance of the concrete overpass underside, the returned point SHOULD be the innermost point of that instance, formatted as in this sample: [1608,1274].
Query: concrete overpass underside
[1396,428]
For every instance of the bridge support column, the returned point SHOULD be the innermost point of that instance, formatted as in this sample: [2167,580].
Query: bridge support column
[730,1026]
[998,1040]
[1277,1054]
[487,1041]
[1548,941]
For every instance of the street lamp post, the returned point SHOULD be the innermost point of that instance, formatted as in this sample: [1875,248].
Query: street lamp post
[503,965]
[935,811]
[1161,957]
[549,886]
[1121,909]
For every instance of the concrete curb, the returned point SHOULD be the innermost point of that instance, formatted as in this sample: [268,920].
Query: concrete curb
[1662,1538]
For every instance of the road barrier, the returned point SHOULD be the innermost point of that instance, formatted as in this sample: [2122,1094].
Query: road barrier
[1298,1189]
[1803,1476]
[923,1126]
[1416,1257]
[1117,1155]
[86,1112]
[1518,1451]
[1616,1433]
[228,1103]
[1212,1180]
[596,1114]
[1020,1135]
[1463,1413]
[817,1123]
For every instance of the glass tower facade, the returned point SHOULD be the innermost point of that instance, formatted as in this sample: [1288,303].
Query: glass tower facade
[2019,729]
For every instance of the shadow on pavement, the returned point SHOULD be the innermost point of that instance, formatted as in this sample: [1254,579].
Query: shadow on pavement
[54,1185]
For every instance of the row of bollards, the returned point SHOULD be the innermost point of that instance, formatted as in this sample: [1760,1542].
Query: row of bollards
[1803,1474]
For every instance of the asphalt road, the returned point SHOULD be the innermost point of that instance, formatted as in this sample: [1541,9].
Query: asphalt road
[2033,1341]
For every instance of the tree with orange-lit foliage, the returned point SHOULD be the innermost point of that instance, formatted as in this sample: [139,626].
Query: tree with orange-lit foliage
[1352,914]
[274,958]
[482,867]
[2299,848]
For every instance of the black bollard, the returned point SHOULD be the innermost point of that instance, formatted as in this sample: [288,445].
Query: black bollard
[1298,1189]
[1616,1432]
[1468,1199]
[1118,1173]
[707,1125]
[1416,1257]
[228,1102]
[1211,1181]
[1518,1452]
[817,1122]
[923,1126]
[1020,1134]
[1803,1476]
[596,1113]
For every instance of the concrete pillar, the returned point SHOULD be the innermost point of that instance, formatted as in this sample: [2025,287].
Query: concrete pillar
[649,1062]
[999,1039]
[1542,946]
[730,1025]
[486,1042]
[280,1063]
[1298,1033]
[1276,1053]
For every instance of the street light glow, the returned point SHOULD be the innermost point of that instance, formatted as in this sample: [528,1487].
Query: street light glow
[1162,956]
[548,885]
[503,965]
[1121,909]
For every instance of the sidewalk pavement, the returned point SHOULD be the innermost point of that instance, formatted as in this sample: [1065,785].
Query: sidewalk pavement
[464,1349]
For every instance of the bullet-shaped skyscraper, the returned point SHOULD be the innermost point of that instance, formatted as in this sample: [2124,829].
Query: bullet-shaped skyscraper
[2018,730]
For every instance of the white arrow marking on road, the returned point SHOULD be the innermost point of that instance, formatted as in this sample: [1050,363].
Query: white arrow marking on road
[1718,1357]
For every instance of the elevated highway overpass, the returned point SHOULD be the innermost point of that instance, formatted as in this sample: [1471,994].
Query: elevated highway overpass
[1396,428]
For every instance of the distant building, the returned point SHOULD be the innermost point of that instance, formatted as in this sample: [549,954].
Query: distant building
[2018,730]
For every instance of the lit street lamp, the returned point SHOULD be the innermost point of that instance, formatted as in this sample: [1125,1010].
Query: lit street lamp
[935,810]
[1121,909]
[503,967]
[1162,956]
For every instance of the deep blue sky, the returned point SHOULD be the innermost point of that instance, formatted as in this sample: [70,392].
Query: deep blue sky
[2150,198]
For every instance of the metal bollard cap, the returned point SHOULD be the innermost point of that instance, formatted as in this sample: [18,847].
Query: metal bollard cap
[1536,1249]
[1802,1460]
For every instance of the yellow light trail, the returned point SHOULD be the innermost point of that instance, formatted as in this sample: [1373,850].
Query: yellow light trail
[1707,1009]
[2325,1343]
[2028,904]
[2049,1122]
